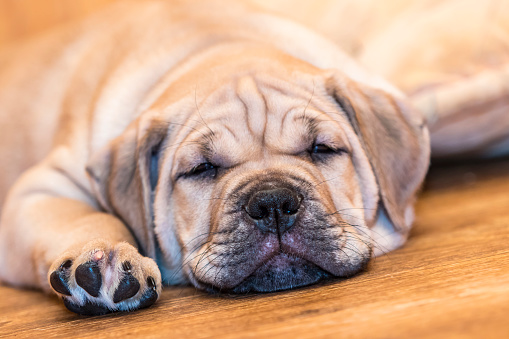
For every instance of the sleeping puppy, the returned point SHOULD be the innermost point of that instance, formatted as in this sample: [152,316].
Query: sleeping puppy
[222,147]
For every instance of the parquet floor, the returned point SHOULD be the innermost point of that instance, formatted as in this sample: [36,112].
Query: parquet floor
[451,280]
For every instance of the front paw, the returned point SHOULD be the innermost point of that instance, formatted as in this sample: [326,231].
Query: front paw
[101,278]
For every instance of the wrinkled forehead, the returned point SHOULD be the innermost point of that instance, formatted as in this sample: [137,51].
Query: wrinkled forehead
[260,114]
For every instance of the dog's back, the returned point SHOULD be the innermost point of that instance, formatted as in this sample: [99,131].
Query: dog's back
[35,103]
[24,93]
[42,82]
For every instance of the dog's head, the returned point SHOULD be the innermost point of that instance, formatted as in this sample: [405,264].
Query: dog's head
[265,181]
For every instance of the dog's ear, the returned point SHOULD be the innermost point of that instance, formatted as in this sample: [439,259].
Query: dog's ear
[395,139]
[124,174]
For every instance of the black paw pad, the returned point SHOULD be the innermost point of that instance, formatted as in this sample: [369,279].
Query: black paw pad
[58,279]
[87,309]
[127,288]
[150,296]
[88,277]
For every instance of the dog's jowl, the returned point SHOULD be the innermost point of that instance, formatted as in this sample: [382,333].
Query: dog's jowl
[221,147]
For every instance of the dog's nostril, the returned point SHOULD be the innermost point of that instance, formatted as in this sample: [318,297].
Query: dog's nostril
[290,209]
[259,214]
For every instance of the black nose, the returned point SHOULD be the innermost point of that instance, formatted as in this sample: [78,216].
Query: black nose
[274,210]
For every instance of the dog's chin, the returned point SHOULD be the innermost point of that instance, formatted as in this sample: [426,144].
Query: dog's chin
[281,272]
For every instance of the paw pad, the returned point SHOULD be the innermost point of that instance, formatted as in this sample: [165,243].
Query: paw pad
[88,308]
[100,281]
[150,296]
[58,279]
[129,285]
[88,276]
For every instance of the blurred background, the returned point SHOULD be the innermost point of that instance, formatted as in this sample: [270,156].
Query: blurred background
[451,57]
[20,19]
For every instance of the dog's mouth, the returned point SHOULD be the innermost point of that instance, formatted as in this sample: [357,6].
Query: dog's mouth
[281,238]
[281,272]
[280,264]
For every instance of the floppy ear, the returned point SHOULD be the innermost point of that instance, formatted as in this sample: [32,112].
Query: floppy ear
[124,174]
[395,138]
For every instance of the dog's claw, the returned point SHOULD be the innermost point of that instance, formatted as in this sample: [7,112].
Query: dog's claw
[66,265]
[126,266]
[151,283]
[127,288]
[88,277]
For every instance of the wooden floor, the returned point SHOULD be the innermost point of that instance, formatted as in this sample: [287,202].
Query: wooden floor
[450,280]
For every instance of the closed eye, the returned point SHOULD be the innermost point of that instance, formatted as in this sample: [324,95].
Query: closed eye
[319,151]
[322,149]
[205,168]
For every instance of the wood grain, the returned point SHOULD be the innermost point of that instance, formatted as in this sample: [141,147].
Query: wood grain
[450,280]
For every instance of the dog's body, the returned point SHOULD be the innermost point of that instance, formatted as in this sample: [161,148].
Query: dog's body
[238,150]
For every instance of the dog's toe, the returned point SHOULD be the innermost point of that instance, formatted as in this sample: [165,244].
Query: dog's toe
[150,296]
[58,279]
[128,286]
[88,276]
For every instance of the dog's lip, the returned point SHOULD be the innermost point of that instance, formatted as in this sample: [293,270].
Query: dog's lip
[271,246]
[291,244]
[278,251]
[274,255]
[303,271]
[282,248]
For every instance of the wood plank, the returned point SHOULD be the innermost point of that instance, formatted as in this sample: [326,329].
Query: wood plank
[451,279]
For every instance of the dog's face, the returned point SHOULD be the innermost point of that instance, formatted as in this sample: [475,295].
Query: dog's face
[267,184]
[265,194]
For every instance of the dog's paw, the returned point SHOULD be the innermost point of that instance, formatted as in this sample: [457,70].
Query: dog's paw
[101,278]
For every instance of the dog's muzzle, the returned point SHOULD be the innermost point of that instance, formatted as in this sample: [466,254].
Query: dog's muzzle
[275,211]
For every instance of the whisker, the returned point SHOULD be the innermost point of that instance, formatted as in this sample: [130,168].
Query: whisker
[199,113]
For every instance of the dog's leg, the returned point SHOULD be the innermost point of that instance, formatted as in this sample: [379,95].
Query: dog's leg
[52,236]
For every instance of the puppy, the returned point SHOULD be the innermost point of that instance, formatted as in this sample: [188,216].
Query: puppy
[165,142]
